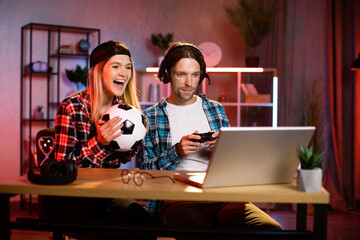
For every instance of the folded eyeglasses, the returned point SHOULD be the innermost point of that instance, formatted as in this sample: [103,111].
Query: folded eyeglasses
[140,176]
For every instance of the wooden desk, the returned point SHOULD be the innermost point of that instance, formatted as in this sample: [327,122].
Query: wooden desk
[107,183]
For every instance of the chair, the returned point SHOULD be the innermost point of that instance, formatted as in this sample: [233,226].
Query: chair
[45,211]
[41,133]
[48,213]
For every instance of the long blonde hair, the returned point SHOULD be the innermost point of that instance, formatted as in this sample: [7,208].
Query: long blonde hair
[95,90]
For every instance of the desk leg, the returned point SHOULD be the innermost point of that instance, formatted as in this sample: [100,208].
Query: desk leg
[301,215]
[5,232]
[320,221]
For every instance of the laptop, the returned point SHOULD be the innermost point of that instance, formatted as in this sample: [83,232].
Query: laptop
[251,156]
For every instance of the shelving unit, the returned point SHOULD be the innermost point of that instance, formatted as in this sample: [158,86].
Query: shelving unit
[223,79]
[47,88]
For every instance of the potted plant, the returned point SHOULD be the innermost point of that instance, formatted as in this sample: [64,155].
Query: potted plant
[80,75]
[162,43]
[38,112]
[254,22]
[311,115]
[310,173]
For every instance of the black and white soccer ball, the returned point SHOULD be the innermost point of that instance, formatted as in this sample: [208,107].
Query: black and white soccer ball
[134,129]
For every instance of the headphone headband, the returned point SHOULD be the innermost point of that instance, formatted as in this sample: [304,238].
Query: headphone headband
[164,69]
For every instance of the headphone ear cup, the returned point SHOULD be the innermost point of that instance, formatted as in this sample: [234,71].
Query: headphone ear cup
[68,167]
[163,73]
[50,167]
[166,78]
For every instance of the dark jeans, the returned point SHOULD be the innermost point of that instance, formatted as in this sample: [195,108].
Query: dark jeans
[73,209]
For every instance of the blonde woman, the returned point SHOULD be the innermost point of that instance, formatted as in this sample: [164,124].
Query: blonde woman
[79,132]
[82,136]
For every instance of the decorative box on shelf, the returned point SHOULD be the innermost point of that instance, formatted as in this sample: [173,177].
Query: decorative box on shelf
[258,98]
[252,96]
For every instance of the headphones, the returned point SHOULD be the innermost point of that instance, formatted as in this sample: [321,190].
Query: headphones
[164,69]
[52,172]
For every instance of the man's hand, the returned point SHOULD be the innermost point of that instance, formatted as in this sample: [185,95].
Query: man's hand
[212,143]
[186,146]
[106,130]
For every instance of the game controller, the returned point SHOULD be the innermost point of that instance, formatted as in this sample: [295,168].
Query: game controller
[204,137]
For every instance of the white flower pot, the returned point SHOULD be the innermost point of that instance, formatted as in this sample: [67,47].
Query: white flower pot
[309,180]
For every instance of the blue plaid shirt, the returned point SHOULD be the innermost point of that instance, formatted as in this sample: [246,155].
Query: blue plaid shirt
[157,153]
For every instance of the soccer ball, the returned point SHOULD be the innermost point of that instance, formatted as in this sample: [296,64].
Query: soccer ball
[134,127]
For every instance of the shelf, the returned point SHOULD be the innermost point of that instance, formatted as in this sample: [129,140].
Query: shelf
[147,103]
[237,100]
[218,69]
[43,41]
[25,74]
[39,120]
[69,55]
[229,104]
[257,104]
[247,104]
[59,28]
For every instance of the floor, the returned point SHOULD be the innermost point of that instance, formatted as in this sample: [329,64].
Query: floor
[341,226]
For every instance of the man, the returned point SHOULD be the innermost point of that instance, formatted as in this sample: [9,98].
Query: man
[171,144]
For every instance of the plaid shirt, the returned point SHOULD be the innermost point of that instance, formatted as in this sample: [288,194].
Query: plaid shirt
[157,153]
[76,137]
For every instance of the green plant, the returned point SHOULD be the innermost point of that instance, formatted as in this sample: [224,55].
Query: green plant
[80,75]
[39,108]
[253,20]
[162,43]
[309,159]
[312,114]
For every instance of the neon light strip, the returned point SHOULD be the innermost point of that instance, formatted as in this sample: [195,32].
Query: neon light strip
[234,69]
[218,69]
[275,101]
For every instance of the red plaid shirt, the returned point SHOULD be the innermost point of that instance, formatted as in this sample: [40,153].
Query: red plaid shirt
[76,136]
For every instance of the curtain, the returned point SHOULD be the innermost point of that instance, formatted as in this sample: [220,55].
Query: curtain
[342,178]
[315,42]
[356,53]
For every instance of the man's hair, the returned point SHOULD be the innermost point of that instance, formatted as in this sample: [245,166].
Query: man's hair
[175,53]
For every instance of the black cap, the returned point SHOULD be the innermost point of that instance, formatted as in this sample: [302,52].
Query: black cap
[106,50]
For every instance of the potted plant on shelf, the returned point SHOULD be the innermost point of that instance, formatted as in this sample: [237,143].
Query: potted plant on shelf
[254,22]
[162,43]
[310,174]
[80,75]
[38,113]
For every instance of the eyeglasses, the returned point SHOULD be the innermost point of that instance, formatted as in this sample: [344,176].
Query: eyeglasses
[140,177]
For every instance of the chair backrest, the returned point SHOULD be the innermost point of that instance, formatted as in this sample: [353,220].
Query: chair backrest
[41,133]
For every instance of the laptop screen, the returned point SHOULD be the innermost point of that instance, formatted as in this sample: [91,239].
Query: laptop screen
[255,155]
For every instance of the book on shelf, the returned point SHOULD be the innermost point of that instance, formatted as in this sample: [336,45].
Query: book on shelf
[251,89]
[244,89]
[252,96]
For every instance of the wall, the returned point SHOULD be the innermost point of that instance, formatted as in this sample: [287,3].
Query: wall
[128,21]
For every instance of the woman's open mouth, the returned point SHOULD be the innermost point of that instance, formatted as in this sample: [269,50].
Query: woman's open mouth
[119,82]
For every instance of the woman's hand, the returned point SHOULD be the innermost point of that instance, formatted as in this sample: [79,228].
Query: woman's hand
[107,131]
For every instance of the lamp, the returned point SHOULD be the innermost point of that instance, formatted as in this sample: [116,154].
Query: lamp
[356,64]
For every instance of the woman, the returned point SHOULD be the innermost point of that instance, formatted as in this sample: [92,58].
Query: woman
[82,136]
[80,133]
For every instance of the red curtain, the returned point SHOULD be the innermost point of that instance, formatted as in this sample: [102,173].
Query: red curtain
[342,176]
[357,106]
[318,40]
